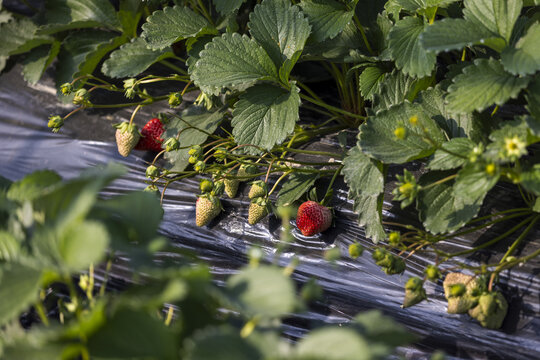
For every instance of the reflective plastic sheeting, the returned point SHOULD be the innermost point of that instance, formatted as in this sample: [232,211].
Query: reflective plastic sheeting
[350,286]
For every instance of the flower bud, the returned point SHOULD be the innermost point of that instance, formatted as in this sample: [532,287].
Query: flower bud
[206,185]
[355,250]
[175,99]
[55,122]
[432,273]
[66,88]
[81,97]
[171,144]
[152,171]
[200,166]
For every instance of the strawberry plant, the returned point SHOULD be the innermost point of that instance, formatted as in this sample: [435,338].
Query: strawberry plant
[54,234]
[452,87]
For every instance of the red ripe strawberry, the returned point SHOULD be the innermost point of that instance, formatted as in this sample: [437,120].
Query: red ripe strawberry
[313,218]
[151,136]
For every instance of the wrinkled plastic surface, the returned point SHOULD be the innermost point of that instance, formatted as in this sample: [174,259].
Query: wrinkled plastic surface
[351,286]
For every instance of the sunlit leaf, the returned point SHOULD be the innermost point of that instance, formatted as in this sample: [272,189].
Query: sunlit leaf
[524,59]
[165,27]
[327,17]
[133,58]
[263,291]
[483,84]
[232,61]
[264,116]
[19,285]
[378,138]
[280,28]
[406,50]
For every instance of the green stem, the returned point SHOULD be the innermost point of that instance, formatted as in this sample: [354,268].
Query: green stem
[173,67]
[511,250]
[520,210]
[329,188]
[285,174]
[363,33]
[309,152]
[492,241]
[520,238]
[439,182]
[41,312]
[133,114]
[479,227]
[332,108]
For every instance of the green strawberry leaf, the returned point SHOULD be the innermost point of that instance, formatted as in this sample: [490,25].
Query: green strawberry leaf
[280,28]
[486,22]
[342,48]
[129,14]
[131,333]
[254,292]
[497,16]
[10,247]
[224,343]
[321,344]
[38,60]
[483,84]
[132,59]
[64,15]
[193,124]
[454,34]
[439,209]
[232,61]
[454,124]
[33,186]
[83,51]
[366,183]
[530,179]
[19,36]
[379,140]
[296,185]
[327,18]
[167,26]
[415,5]
[533,99]
[226,7]
[473,183]
[194,48]
[405,48]
[264,116]
[362,174]
[369,81]
[453,154]
[83,244]
[524,59]
[397,87]
[19,288]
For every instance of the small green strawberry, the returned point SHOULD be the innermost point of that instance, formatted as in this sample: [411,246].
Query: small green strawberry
[258,189]
[207,207]
[246,170]
[231,187]
[127,136]
[258,209]
[206,185]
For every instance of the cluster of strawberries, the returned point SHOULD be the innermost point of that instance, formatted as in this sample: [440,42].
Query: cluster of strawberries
[149,138]
[312,217]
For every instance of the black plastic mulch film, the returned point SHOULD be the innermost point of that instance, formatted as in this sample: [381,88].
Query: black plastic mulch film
[350,286]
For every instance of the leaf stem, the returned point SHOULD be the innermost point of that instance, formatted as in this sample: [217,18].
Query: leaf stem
[173,67]
[492,241]
[363,33]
